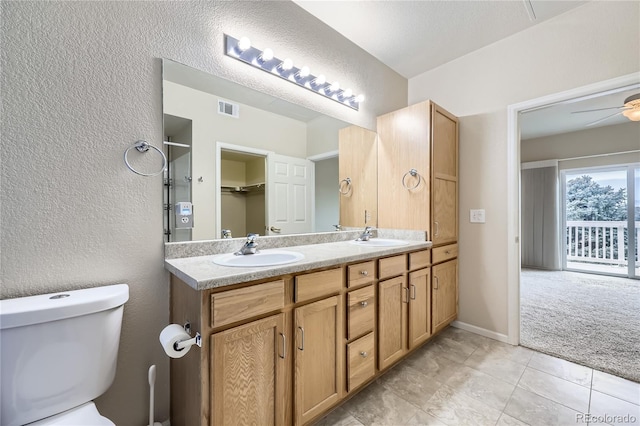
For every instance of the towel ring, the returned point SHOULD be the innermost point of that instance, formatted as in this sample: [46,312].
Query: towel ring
[414,173]
[348,186]
[143,146]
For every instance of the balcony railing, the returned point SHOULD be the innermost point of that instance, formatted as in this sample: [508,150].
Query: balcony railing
[602,242]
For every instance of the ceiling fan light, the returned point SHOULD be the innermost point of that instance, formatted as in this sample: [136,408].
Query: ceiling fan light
[632,114]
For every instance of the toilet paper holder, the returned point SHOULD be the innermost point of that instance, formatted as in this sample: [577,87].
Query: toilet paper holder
[197,340]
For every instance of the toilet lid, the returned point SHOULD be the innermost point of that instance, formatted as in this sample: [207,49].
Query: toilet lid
[83,415]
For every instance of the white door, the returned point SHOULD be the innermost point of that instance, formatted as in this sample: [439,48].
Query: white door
[290,195]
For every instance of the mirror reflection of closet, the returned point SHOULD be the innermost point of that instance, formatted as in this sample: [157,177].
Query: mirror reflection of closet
[242,193]
[177,182]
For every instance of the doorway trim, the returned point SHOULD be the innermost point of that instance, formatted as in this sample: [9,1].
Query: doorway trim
[513,186]
[222,146]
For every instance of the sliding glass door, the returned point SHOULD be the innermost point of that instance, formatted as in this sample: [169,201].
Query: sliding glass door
[601,220]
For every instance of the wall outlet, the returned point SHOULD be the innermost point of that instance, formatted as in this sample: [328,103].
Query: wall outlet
[476,215]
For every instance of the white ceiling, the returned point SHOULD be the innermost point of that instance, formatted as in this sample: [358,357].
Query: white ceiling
[413,37]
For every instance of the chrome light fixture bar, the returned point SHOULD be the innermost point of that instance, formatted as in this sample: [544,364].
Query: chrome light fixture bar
[265,60]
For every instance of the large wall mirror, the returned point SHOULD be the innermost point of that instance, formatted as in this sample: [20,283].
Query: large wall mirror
[241,161]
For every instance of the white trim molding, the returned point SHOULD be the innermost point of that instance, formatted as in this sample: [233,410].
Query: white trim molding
[481,331]
[538,164]
[513,185]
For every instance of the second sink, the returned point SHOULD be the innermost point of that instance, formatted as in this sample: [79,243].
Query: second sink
[262,258]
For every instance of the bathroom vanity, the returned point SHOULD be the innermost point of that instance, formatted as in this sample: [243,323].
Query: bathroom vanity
[283,345]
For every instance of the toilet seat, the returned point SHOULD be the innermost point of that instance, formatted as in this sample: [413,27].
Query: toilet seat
[82,415]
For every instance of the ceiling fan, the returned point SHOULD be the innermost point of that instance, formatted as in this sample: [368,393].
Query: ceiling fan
[630,109]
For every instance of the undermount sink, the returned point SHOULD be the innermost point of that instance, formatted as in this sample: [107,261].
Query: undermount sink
[380,242]
[262,258]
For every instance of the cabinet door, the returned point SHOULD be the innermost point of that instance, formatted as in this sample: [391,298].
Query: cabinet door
[319,361]
[358,162]
[444,207]
[248,374]
[419,307]
[445,293]
[403,145]
[393,298]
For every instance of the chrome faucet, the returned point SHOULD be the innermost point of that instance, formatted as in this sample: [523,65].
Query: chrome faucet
[226,233]
[250,246]
[366,234]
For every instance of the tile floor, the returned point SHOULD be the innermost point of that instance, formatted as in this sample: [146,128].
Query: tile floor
[461,378]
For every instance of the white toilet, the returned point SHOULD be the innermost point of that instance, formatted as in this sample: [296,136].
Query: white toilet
[57,353]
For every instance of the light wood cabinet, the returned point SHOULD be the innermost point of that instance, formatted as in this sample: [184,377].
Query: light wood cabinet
[445,177]
[393,297]
[318,360]
[248,374]
[357,174]
[419,307]
[445,293]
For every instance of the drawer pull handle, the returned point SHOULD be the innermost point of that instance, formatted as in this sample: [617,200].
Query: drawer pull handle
[364,273]
[364,354]
[284,346]
[364,303]
[407,294]
[437,282]
[301,347]
[435,234]
[413,287]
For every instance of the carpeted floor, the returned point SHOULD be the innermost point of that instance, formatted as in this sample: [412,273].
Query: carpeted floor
[588,319]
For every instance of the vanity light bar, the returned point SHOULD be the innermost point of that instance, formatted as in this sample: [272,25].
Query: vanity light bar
[284,68]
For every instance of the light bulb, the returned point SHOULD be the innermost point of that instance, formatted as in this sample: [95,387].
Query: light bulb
[632,114]
[266,55]
[286,65]
[335,86]
[244,43]
[347,93]
[320,80]
[360,98]
[304,72]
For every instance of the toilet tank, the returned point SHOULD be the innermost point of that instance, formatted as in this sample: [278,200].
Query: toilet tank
[58,350]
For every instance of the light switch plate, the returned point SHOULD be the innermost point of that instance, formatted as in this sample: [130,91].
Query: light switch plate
[476,215]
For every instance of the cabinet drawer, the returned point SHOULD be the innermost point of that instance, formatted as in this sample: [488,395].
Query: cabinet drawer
[392,266]
[236,305]
[360,361]
[318,284]
[361,305]
[441,254]
[362,273]
[419,259]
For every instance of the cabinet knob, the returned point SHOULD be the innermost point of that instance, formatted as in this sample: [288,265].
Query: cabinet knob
[364,354]
[364,273]
[447,252]
[364,304]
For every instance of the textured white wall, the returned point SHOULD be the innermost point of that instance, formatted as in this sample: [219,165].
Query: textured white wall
[81,82]
[594,42]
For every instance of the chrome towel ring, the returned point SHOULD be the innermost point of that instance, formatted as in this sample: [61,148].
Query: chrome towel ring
[143,146]
[414,173]
[347,186]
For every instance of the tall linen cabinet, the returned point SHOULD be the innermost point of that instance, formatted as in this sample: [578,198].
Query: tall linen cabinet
[418,190]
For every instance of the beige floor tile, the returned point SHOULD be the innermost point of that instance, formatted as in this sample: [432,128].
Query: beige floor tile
[518,354]
[613,411]
[494,365]
[556,389]
[339,417]
[561,368]
[533,409]
[455,408]
[377,405]
[410,384]
[481,386]
[465,336]
[423,419]
[454,350]
[431,362]
[616,386]
[507,420]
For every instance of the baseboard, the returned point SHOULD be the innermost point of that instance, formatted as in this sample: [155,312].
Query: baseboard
[481,331]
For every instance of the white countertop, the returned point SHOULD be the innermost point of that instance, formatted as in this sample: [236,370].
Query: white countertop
[201,273]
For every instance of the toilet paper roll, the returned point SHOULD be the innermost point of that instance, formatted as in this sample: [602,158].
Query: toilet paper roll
[169,336]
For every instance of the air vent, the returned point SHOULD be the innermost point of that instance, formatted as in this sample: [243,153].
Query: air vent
[228,109]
